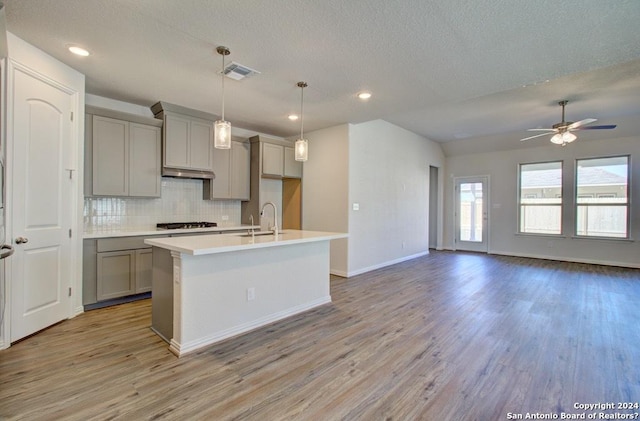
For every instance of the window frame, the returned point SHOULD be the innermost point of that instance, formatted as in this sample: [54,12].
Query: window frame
[561,197]
[627,204]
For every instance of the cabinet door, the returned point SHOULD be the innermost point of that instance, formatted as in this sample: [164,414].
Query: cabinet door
[240,170]
[143,270]
[176,141]
[221,167]
[116,274]
[110,157]
[272,160]
[292,168]
[201,145]
[144,161]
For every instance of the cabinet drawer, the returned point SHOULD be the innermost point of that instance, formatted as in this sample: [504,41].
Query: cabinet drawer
[121,243]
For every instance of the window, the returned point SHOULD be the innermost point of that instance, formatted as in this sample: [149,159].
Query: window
[540,198]
[602,197]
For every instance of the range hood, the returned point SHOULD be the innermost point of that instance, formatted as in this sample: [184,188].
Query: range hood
[185,173]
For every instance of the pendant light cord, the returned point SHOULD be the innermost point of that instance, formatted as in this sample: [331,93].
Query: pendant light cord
[302,112]
[223,86]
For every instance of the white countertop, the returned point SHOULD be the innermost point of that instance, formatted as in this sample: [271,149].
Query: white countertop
[131,232]
[210,244]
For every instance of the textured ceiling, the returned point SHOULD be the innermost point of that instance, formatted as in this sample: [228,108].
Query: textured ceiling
[447,70]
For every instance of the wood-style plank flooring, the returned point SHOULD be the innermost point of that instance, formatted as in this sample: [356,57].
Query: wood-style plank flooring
[450,336]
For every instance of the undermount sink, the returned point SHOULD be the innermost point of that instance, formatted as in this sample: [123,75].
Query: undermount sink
[259,233]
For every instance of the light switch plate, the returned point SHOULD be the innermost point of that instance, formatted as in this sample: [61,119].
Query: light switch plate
[356,206]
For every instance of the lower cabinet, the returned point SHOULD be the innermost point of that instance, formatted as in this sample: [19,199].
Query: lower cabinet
[143,270]
[116,274]
[114,268]
[119,266]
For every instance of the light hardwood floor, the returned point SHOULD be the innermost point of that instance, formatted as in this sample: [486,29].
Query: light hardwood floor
[450,336]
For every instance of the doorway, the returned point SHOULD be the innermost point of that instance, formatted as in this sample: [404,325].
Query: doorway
[43,130]
[291,203]
[472,196]
[433,207]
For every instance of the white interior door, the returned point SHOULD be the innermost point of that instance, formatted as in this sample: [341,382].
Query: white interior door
[40,125]
[472,195]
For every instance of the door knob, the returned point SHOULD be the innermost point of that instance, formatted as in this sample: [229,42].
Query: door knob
[21,240]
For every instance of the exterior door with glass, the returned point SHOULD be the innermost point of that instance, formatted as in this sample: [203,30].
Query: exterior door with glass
[471,214]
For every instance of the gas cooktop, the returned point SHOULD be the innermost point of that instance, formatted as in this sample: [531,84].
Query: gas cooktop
[184,225]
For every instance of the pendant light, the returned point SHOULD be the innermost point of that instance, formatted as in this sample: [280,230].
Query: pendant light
[221,128]
[301,146]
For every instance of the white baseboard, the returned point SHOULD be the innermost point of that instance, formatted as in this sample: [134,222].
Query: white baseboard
[185,348]
[566,259]
[387,263]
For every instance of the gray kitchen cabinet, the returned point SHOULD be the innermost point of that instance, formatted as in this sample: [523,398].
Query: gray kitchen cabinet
[144,160]
[240,170]
[292,168]
[274,174]
[116,274]
[115,267]
[122,154]
[272,160]
[188,143]
[232,168]
[187,137]
[110,157]
[143,270]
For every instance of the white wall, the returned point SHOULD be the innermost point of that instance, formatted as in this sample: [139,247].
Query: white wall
[389,179]
[502,168]
[385,170]
[325,189]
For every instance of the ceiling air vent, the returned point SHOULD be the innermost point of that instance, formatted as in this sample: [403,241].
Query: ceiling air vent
[238,72]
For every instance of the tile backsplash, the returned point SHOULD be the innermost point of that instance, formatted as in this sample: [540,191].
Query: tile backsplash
[181,201]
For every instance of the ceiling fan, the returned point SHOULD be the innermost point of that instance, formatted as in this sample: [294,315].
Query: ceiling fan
[562,131]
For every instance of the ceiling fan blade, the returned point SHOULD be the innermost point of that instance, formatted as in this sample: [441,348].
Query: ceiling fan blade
[539,130]
[582,123]
[605,126]
[533,137]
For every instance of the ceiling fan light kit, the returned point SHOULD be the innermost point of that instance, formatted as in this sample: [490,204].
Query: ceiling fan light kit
[563,139]
[562,132]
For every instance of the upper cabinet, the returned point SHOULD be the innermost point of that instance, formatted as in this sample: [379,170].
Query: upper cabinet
[122,154]
[277,159]
[232,168]
[187,139]
[272,160]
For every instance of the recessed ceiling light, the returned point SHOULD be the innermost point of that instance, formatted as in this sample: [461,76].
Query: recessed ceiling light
[78,50]
[364,95]
[293,117]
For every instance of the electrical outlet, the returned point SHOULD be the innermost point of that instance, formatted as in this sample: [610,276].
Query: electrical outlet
[225,217]
[251,294]
[403,244]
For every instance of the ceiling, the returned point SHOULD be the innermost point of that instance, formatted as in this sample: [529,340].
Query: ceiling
[447,70]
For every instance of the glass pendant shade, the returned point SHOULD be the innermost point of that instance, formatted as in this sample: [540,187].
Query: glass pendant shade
[222,134]
[301,150]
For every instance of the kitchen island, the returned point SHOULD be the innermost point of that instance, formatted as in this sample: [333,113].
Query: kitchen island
[209,288]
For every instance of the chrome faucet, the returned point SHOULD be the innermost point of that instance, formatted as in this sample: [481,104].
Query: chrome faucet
[275,215]
[252,224]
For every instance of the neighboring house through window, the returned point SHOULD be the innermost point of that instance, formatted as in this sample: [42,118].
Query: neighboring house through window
[540,198]
[602,197]
[602,206]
